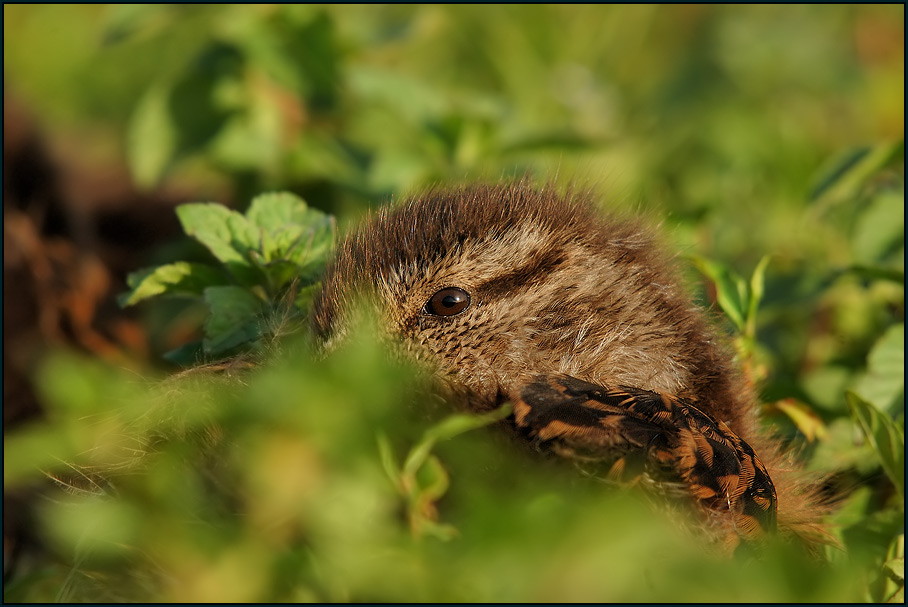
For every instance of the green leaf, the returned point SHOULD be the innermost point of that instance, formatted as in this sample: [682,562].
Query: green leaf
[317,245]
[388,461]
[280,273]
[416,101]
[825,385]
[729,289]
[805,419]
[296,240]
[226,233]
[197,111]
[234,318]
[151,139]
[180,278]
[884,381]
[885,437]
[843,448]
[293,230]
[275,210]
[757,283]
[880,229]
[852,170]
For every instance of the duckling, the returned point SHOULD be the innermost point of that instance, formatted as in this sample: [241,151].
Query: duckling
[511,293]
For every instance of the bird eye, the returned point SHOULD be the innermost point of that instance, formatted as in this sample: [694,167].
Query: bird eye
[448,302]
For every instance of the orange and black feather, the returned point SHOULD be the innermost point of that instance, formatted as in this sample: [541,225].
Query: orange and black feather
[718,468]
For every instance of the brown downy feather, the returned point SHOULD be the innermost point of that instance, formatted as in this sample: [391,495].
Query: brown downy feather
[523,295]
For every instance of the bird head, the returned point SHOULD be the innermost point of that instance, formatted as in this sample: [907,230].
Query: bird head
[491,285]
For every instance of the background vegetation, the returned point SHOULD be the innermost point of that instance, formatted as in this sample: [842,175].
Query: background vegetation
[748,132]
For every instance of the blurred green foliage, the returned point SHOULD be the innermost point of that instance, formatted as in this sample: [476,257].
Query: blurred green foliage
[759,132]
[291,501]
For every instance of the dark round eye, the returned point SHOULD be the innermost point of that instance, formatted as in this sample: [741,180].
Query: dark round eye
[448,302]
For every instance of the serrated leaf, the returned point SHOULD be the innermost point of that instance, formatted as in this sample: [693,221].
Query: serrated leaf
[291,229]
[278,217]
[274,210]
[317,247]
[234,318]
[180,278]
[885,437]
[884,380]
[225,233]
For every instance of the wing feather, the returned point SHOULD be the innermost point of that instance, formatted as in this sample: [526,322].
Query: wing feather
[721,471]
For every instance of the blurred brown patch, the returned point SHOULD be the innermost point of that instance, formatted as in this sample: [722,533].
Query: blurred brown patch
[71,233]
